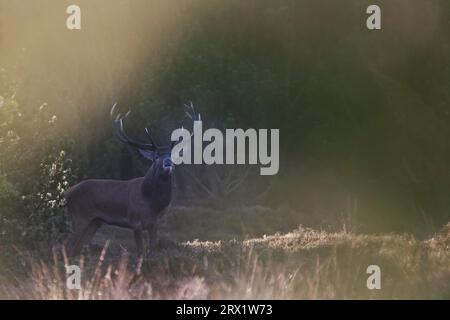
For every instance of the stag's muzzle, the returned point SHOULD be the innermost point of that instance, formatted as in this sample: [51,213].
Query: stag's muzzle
[167,165]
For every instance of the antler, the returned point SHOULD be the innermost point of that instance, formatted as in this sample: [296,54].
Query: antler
[124,138]
[152,146]
[149,135]
[190,112]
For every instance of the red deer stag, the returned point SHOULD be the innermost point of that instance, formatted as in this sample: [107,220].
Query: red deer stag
[135,204]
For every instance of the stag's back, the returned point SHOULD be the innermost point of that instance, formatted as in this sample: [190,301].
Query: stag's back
[95,196]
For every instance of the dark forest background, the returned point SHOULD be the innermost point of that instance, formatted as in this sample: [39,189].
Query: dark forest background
[363,115]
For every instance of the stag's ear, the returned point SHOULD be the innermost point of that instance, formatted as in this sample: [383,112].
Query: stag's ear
[147,154]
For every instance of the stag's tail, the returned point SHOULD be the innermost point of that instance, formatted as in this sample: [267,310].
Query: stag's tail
[69,193]
[76,191]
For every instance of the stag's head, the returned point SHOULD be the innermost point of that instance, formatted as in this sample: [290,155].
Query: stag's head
[160,156]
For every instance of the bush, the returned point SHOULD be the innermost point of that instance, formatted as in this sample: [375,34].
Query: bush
[48,221]
[34,172]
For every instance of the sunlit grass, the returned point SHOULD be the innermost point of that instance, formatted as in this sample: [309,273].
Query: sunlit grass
[302,264]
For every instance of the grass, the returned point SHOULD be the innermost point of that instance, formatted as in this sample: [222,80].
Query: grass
[300,264]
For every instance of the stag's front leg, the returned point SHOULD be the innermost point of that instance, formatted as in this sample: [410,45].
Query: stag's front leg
[152,236]
[139,241]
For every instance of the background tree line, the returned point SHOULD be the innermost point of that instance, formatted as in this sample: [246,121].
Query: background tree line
[363,116]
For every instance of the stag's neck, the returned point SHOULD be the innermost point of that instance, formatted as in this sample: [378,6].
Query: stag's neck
[158,189]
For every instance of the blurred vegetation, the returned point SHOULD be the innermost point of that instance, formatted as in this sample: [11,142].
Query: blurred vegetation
[364,116]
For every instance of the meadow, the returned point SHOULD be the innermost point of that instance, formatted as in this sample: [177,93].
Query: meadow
[303,263]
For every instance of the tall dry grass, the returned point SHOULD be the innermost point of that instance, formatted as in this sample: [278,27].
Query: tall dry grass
[302,264]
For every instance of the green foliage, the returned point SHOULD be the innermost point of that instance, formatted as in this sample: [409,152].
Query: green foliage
[34,172]
[48,222]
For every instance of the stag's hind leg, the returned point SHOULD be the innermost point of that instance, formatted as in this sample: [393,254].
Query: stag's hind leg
[92,228]
[78,226]
[71,244]
[82,235]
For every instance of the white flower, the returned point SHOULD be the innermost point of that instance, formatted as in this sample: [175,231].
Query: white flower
[53,169]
